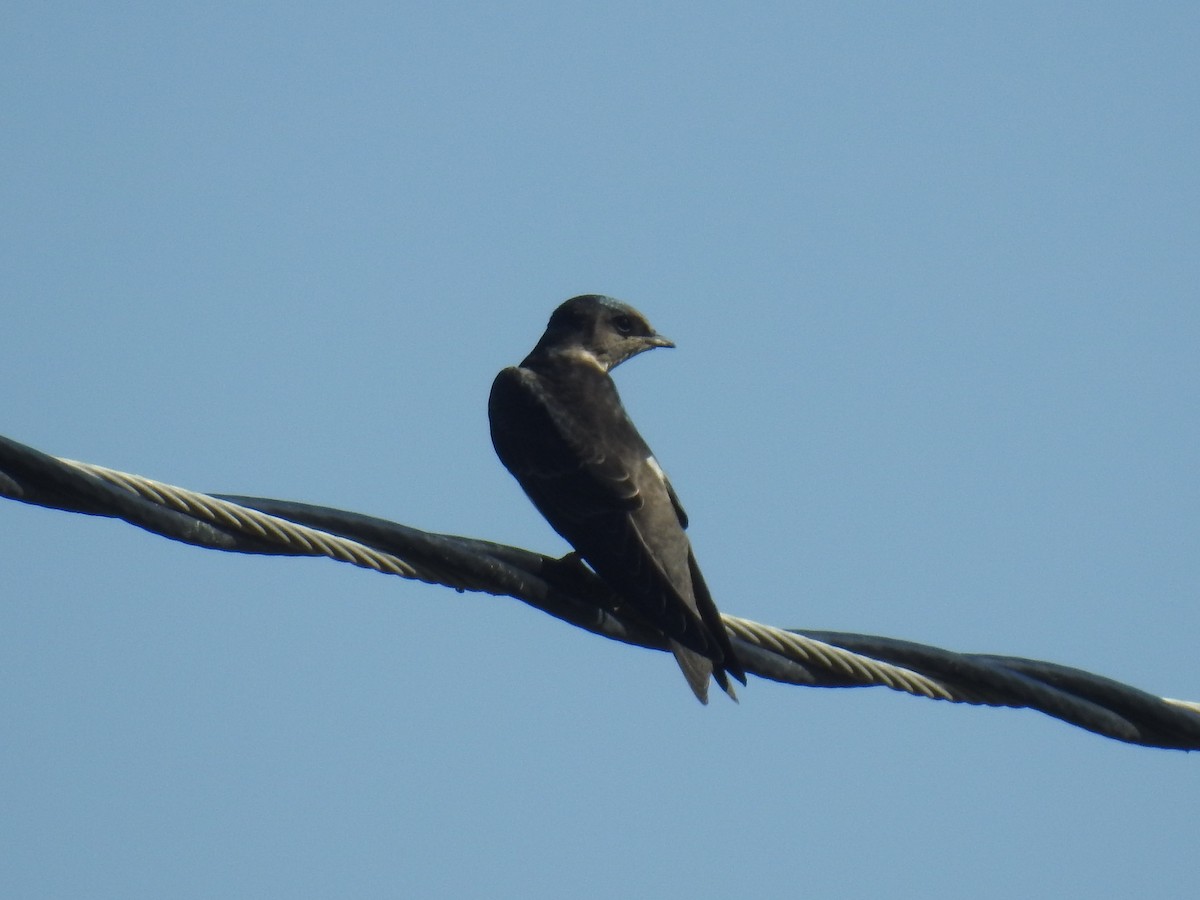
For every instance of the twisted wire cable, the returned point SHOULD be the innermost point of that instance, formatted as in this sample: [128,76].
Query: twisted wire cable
[567,589]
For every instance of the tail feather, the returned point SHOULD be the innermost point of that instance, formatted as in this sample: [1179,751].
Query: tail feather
[722,677]
[698,669]
[711,616]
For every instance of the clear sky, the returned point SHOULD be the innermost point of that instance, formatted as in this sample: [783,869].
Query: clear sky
[932,270]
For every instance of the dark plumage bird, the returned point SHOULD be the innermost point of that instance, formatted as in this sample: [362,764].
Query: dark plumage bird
[559,427]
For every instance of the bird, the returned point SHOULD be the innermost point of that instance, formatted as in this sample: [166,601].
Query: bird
[559,427]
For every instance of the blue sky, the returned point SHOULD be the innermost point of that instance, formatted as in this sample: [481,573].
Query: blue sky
[932,273]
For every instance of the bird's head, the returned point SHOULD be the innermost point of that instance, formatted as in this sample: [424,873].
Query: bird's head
[598,330]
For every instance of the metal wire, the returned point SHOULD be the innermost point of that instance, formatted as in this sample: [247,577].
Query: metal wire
[298,538]
[567,589]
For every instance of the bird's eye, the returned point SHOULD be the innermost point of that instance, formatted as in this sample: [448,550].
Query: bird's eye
[623,324]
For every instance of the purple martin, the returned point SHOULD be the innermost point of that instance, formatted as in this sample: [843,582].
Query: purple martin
[559,427]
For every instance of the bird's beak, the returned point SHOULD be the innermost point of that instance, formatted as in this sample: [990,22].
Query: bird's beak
[657,340]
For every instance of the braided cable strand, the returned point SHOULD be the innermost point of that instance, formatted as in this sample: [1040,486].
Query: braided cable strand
[862,670]
[290,537]
[298,538]
[568,590]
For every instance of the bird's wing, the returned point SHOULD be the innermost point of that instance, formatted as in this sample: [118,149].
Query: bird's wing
[606,505]
[567,474]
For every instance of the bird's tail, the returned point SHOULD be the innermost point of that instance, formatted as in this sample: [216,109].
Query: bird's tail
[698,669]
